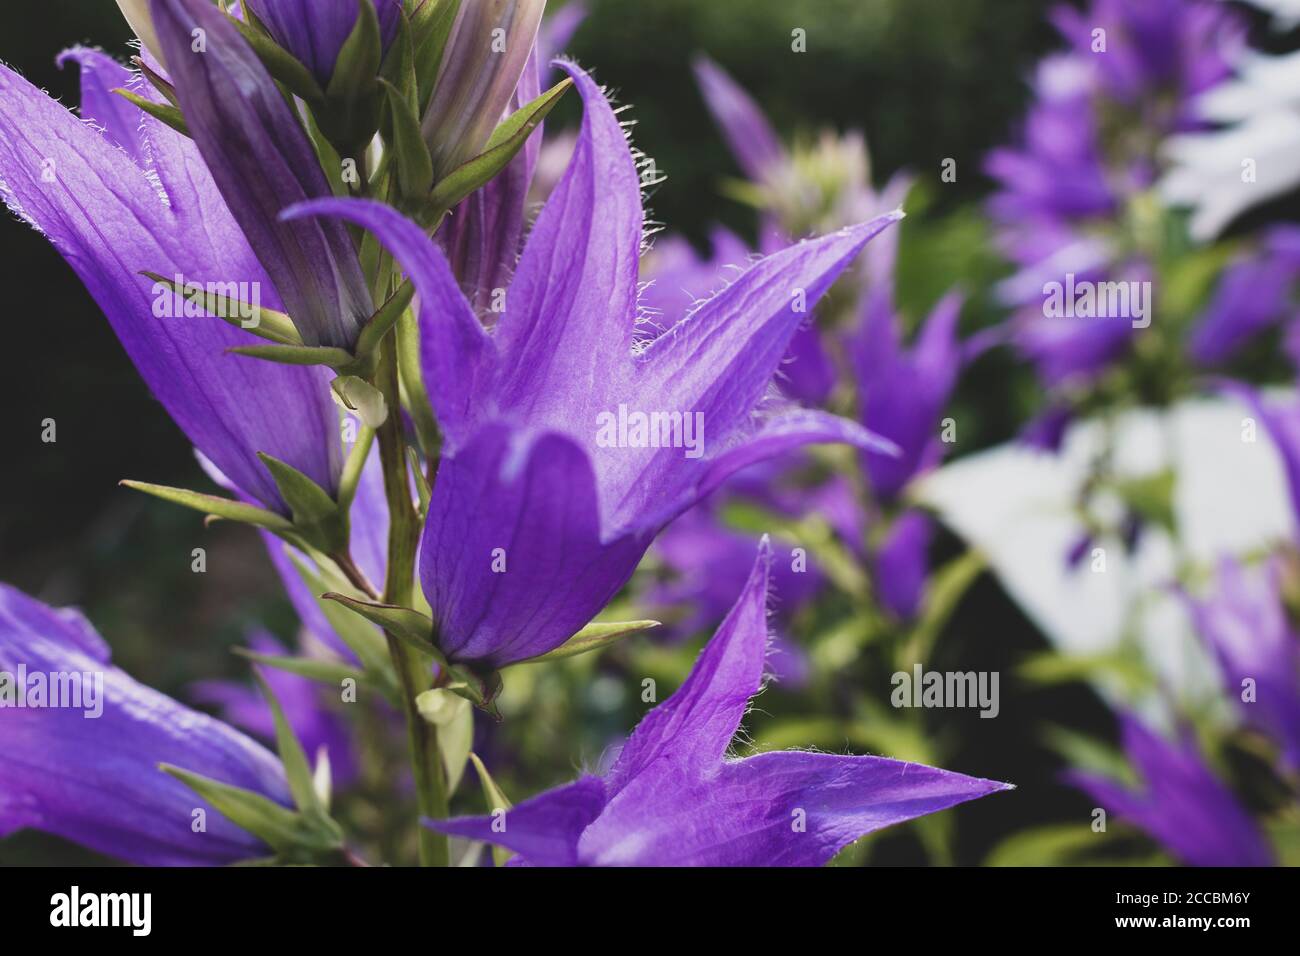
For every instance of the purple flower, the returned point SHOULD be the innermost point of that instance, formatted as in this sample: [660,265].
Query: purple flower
[134,197]
[1283,425]
[94,778]
[1181,804]
[753,142]
[318,728]
[260,158]
[1254,292]
[315,30]
[674,798]
[902,394]
[900,565]
[543,505]
[1245,625]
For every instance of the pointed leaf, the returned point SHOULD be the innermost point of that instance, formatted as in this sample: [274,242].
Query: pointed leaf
[326,355]
[495,800]
[411,155]
[374,331]
[431,25]
[160,111]
[272,325]
[218,507]
[297,769]
[410,627]
[359,60]
[316,515]
[362,640]
[508,139]
[280,63]
[326,672]
[594,636]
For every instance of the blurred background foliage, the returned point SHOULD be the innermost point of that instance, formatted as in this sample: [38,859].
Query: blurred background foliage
[924,79]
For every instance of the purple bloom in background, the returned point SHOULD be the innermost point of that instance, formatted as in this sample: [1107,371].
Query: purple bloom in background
[1245,624]
[1253,293]
[537,480]
[751,138]
[319,729]
[900,566]
[94,779]
[1283,425]
[1181,805]
[315,30]
[902,394]
[674,798]
[137,196]
[261,159]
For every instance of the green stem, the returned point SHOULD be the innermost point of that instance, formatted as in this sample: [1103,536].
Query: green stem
[413,671]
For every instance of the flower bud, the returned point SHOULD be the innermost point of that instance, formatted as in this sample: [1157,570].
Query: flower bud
[137,14]
[485,55]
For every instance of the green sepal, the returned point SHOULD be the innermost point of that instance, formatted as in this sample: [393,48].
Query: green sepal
[297,768]
[163,112]
[273,326]
[372,334]
[324,672]
[453,715]
[422,489]
[353,467]
[410,154]
[328,355]
[351,112]
[157,81]
[316,516]
[288,833]
[283,66]
[501,148]
[495,799]
[416,630]
[594,636]
[412,382]
[216,507]
[358,395]
[431,22]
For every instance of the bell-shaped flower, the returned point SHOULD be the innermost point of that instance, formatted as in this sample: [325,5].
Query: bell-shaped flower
[674,798]
[82,742]
[568,445]
[1180,804]
[314,31]
[262,161]
[121,194]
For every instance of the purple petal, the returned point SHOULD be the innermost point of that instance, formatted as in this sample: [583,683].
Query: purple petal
[527,504]
[544,830]
[100,106]
[776,809]
[315,30]
[901,567]
[1252,294]
[262,161]
[752,140]
[1283,425]
[108,220]
[95,779]
[567,327]
[692,729]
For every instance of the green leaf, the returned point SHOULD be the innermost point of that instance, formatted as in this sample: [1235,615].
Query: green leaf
[501,148]
[163,112]
[297,769]
[412,379]
[1056,845]
[410,627]
[316,516]
[358,395]
[272,325]
[495,800]
[280,63]
[594,636]
[326,355]
[325,672]
[453,715]
[217,507]
[156,80]
[948,586]
[379,325]
[282,829]
[411,155]
[353,467]
[360,58]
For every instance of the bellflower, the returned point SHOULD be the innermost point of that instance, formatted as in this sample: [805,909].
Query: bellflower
[1181,804]
[751,138]
[487,51]
[544,503]
[1245,624]
[262,161]
[94,778]
[674,798]
[314,31]
[122,193]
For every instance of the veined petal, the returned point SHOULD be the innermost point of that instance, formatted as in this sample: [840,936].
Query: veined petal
[94,779]
[456,354]
[752,140]
[315,30]
[746,813]
[544,830]
[512,560]
[107,219]
[118,117]
[693,728]
[262,161]
[566,334]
